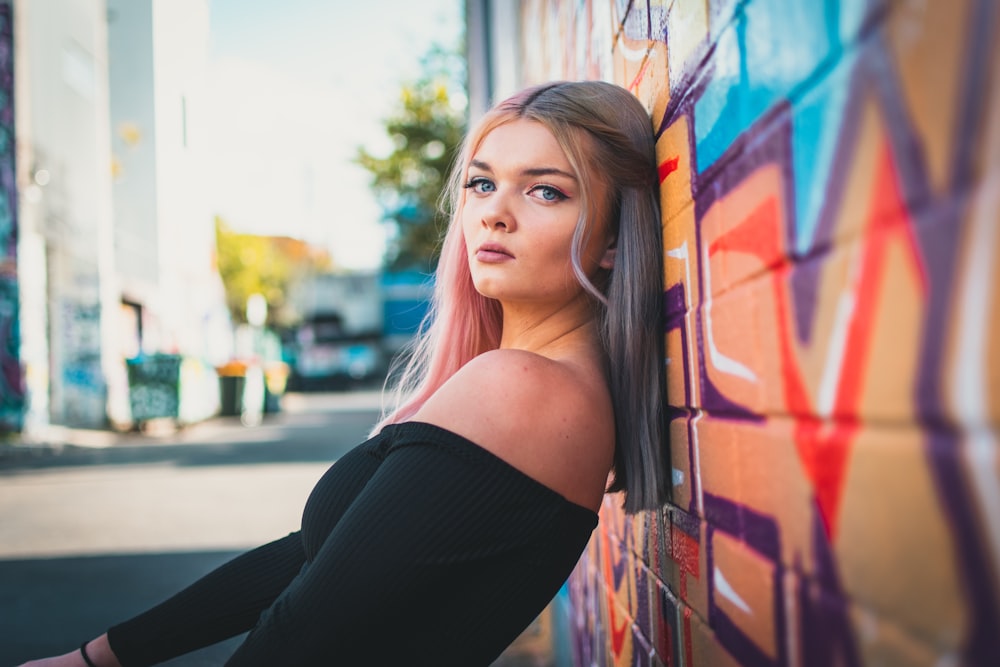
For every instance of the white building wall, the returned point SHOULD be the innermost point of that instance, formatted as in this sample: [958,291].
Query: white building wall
[194,296]
[166,236]
[133,141]
[62,133]
[96,77]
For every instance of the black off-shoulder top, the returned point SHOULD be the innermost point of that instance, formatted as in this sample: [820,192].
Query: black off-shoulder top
[419,547]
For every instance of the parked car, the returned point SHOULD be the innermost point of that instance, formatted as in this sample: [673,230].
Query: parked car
[323,355]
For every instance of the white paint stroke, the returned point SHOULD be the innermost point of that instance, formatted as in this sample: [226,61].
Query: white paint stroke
[696,464]
[682,254]
[970,393]
[835,353]
[721,362]
[634,55]
[725,589]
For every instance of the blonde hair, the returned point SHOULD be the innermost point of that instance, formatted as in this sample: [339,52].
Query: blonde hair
[607,137]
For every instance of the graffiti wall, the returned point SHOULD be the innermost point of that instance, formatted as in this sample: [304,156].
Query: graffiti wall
[831,212]
[11,379]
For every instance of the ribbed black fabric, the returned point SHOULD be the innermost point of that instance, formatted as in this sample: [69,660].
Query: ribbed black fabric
[417,548]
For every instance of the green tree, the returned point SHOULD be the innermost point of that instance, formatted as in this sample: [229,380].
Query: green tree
[267,265]
[425,128]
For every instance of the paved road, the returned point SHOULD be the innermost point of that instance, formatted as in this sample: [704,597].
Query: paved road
[94,532]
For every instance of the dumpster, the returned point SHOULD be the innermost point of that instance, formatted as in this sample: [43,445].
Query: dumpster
[154,387]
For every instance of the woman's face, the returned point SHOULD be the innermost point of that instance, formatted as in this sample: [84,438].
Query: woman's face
[520,207]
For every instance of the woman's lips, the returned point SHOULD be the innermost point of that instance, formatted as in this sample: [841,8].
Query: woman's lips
[493,253]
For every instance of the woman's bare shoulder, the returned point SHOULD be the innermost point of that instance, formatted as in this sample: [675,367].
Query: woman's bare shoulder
[551,420]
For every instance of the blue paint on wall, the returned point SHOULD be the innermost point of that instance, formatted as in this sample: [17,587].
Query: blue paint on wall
[768,50]
[816,126]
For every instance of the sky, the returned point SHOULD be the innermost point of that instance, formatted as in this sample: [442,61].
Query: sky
[294,88]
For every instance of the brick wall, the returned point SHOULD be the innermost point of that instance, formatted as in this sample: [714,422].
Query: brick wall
[831,185]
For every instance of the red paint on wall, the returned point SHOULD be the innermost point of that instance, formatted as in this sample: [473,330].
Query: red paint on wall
[687,636]
[684,550]
[757,234]
[668,167]
[618,626]
[825,447]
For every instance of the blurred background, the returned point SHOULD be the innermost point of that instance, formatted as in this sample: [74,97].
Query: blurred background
[216,200]
[214,214]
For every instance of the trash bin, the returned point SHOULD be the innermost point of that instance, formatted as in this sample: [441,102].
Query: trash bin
[232,379]
[231,395]
[154,386]
[275,383]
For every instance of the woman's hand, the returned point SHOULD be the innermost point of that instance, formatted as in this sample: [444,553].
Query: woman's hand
[98,650]
[71,659]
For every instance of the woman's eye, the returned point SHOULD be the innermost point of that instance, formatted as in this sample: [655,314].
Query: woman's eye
[548,193]
[481,185]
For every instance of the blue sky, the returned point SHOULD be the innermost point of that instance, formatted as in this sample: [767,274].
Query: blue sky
[294,87]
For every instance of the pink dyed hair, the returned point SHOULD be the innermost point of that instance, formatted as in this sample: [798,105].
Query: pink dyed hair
[607,136]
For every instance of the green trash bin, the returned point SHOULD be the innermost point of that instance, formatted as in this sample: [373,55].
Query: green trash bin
[154,386]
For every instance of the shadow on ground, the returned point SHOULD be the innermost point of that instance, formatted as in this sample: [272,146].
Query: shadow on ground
[51,605]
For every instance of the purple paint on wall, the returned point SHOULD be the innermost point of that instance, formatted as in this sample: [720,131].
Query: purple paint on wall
[827,639]
[983,19]
[760,533]
[675,307]
[982,645]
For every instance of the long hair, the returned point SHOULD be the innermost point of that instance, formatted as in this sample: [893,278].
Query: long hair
[607,137]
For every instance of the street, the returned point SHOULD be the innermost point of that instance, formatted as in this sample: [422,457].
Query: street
[92,534]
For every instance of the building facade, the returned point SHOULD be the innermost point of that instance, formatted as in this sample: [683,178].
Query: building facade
[113,228]
[830,182]
[171,296]
[12,392]
[65,219]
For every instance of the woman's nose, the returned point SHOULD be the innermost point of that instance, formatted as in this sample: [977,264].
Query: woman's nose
[497,215]
[495,223]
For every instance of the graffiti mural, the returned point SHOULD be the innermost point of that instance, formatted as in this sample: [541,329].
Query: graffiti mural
[83,390]
[11,378]
[830,176]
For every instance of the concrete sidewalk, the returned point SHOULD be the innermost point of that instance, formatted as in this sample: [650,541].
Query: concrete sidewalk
[53,438]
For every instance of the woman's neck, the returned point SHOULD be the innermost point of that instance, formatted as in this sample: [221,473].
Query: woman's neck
[552,333]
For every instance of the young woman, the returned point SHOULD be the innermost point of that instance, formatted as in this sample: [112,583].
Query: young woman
[439,539]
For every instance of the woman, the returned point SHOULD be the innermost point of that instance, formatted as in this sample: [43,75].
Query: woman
[439,539]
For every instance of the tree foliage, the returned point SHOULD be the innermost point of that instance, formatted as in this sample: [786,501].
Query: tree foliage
[267,265]
[425,129]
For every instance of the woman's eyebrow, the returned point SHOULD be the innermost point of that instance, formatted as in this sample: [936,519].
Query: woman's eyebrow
[534,171]
[548,171]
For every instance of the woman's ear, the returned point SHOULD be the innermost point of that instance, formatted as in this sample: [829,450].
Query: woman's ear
[608,260]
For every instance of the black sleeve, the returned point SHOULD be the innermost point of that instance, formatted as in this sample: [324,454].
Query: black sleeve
[223,604]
